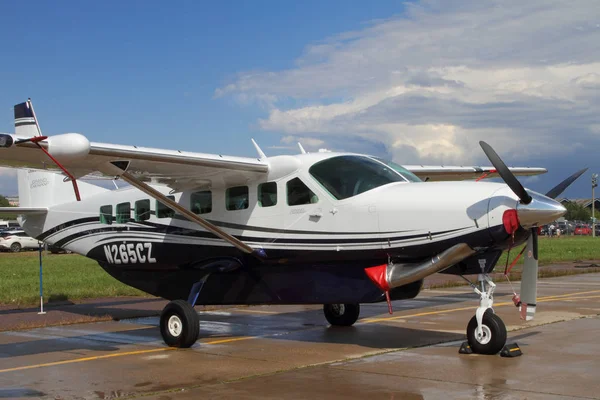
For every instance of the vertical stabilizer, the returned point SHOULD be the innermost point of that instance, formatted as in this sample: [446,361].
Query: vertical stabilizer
[25,124]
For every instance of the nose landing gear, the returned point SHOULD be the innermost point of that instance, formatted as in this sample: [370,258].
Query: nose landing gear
[486,333]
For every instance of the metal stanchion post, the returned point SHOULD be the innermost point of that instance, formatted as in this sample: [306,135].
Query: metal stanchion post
[594,184]
[41,284]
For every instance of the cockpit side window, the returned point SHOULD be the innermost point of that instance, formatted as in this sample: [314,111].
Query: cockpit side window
[347,176]
[298,193]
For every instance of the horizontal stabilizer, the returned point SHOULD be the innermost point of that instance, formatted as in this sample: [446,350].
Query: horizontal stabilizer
[23,210]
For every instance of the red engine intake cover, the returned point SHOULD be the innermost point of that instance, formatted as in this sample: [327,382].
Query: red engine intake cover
[510,218]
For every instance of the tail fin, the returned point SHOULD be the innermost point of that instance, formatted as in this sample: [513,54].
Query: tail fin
[25,124]
[46,189]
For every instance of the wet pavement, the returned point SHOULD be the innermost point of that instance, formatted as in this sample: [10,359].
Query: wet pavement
[291,352]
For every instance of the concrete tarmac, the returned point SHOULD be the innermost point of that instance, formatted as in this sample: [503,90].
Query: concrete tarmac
[291,352]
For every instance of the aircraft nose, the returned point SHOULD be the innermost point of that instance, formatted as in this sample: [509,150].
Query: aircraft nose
[542,210]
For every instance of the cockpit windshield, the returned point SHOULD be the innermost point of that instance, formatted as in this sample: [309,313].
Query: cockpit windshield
[347,176]
[401,170]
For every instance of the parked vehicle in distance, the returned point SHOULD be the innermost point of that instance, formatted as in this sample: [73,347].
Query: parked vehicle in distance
[16,239]
[9,224]
[582,229]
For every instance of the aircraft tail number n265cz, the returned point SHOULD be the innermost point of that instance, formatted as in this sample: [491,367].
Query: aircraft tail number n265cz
[337,229]
[129,253]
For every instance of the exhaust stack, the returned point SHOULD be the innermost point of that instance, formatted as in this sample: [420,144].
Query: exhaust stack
[389,276]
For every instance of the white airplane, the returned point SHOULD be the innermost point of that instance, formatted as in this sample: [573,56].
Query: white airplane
[337,229]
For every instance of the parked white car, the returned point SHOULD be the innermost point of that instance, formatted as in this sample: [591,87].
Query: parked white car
[16,239]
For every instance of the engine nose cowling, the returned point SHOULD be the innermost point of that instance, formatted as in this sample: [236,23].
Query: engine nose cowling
[540,211]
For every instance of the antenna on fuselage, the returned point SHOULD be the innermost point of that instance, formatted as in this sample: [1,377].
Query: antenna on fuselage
[301,148]
[261,154]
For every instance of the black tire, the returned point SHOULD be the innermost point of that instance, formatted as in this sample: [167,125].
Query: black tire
[341,314]
[492,326]
[15,247]
[185,316]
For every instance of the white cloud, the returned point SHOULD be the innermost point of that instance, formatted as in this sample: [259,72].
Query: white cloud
[430,83]
[305,141]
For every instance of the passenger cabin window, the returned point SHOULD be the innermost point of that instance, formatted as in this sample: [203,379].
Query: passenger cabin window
[123,213]
[163,211]
[237,198]
[298,193]
[347,176]
[201,202]
[142,210]
[267,194]
[106,216]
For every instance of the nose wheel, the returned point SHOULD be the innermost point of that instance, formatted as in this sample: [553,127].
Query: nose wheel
[491,338]
[486,333]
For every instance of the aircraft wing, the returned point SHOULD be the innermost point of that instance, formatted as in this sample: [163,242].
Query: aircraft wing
[459,173]
[174,168]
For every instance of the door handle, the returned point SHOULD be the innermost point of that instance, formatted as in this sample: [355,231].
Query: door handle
[316,215]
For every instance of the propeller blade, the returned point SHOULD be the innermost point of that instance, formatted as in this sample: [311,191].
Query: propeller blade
[23,141]
[529,277]
[34,139]
[507,176]
[558,189]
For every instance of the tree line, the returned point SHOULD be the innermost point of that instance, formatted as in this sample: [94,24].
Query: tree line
[577,212]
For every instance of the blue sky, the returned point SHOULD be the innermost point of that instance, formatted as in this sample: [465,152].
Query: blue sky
[418,82]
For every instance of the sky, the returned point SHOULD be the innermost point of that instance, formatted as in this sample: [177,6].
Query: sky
[419,82]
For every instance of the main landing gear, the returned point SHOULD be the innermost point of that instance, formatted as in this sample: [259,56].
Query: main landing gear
[179,322]
[486,332]
[341,314]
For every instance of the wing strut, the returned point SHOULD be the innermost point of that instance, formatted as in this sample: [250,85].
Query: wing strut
[127,177]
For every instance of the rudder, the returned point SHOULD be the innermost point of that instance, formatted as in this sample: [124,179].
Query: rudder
[25,120]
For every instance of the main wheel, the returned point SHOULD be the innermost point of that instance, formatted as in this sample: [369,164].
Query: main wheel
[341,314]
[15,247]
[179,324]
[493,338]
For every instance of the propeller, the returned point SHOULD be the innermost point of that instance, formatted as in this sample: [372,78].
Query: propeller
[507,176]
[34,139]
[558,189]
[530,266]
[529,276]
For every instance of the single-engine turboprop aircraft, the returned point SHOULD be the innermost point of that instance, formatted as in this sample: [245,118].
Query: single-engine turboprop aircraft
[337,229]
